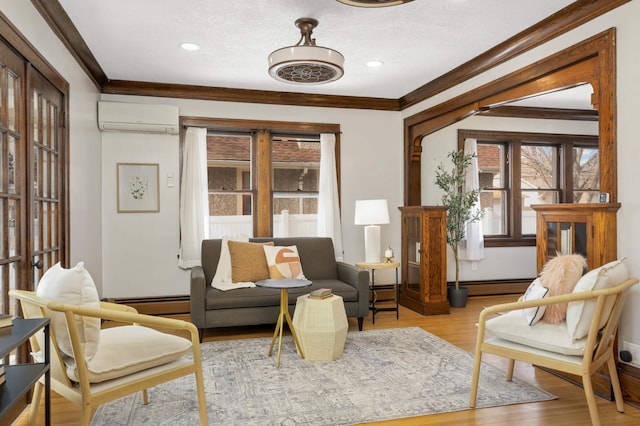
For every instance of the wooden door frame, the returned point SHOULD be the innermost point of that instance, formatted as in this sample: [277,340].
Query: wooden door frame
[591,61]
[15,39]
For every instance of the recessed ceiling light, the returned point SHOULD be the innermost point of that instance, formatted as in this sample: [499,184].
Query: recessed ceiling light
[374,64]
[189,46]
[373,3]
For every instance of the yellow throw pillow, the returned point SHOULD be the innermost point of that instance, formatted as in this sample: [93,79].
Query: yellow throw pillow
[248,262]
[284,262]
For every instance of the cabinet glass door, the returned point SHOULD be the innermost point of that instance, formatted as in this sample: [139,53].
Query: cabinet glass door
[414,231]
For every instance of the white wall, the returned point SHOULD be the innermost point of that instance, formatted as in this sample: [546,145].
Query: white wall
[84,137]
[140,249]
[624,19]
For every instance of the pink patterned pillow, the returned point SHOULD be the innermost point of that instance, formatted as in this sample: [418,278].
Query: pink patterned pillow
[560,275]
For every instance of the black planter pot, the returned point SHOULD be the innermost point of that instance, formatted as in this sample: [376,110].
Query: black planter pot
[457,297]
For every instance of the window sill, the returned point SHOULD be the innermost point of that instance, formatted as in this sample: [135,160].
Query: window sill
[509,242]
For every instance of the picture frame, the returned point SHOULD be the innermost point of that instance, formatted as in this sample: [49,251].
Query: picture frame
[138,187]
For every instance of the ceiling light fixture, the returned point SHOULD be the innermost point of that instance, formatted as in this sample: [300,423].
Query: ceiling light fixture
[374,3]
[306,63]
[374,63]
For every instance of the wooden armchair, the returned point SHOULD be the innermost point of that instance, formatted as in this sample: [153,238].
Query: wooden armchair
[581,357]
[89,388]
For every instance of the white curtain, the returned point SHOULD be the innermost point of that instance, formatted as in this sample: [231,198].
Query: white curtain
[472,246]
[194,198]
[329,224]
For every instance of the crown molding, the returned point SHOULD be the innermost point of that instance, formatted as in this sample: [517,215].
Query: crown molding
[570,17]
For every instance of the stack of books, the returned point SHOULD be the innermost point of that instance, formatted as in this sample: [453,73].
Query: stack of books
[321,293]
[2,375]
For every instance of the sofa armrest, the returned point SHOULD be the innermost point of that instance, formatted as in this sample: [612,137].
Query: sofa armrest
[197,296]
[359,279]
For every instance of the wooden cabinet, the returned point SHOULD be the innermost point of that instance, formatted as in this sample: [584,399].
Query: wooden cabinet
[424,259]
[586,229]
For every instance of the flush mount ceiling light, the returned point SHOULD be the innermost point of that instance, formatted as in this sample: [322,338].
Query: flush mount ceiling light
[306,63]
[373,3]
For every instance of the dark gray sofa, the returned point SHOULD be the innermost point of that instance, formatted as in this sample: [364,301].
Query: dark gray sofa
[211,307]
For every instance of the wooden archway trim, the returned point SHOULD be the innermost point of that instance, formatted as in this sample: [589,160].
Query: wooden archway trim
[591,61]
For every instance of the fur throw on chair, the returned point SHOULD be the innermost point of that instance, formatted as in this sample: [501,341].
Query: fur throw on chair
[560,275]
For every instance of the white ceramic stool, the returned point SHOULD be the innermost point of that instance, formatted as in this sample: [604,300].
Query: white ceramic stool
[322,327]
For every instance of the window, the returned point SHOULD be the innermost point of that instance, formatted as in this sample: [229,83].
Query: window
[263,178]
[517,170]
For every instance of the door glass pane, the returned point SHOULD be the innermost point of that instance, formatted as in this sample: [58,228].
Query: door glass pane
[12,100]
[14,234]
[36,117]
[580,247]
[229,180]
[3,251]
[11,165]
[37,214]
[37,188]
[46,170]
[553,233]
[45,124]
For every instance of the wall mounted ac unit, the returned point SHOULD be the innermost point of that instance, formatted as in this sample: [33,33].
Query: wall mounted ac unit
[137,118]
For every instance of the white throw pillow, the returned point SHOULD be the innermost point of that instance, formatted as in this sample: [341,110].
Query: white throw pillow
[580,314]
[223,270]
[131,348]
[535,291]
[72,286]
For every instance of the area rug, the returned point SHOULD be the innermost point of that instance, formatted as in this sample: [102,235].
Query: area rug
[382,374]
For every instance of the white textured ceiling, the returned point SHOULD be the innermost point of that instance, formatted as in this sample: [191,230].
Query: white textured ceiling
[139,40]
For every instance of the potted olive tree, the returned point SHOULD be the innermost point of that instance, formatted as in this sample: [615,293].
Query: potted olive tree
[460,203]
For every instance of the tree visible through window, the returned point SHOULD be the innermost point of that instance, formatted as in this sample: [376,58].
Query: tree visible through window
[517,170]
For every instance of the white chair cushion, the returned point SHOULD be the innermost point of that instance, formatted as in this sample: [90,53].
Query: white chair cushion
[549,337]
[129,349]
[535,291]
[579,314]
[72,286]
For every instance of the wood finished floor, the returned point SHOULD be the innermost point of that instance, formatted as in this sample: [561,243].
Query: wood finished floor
[459,329]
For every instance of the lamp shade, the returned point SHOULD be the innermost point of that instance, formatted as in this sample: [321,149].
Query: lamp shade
[371,212]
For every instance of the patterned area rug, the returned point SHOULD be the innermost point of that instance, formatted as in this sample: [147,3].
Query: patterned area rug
[382,374]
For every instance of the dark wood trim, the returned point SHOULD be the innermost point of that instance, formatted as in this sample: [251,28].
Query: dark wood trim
[591,61]
[19,42]
[563,21]
[61,24]
[208,93]
[630,383]
[233,124]
[541,113]
[494,287]
[168,305]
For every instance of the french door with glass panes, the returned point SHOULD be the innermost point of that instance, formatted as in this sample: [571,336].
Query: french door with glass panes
[32,162]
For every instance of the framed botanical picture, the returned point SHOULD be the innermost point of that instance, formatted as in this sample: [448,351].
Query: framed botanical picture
[138,190]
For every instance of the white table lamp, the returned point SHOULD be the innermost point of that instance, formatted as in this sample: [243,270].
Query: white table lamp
[372,213]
